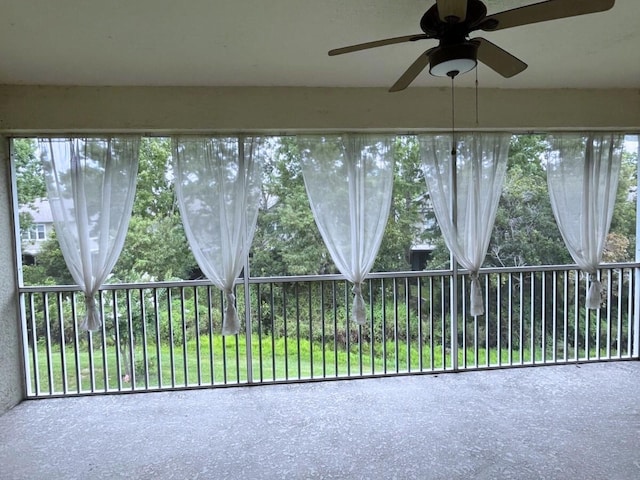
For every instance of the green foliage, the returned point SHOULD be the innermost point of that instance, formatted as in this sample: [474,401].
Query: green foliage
[155,196]
[287,241]
[525,231]
[623,222]
[156,248]
[29,177]
[50,268]
[407,217]
[29,174]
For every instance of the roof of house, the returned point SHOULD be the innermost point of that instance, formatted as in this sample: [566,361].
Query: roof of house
[39,209]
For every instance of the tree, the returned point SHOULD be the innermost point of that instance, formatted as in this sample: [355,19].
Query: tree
[621,241]
[525,231]
[408,215]
[156,246]
[287,241]
[50,268]
[29,176]
[155,192]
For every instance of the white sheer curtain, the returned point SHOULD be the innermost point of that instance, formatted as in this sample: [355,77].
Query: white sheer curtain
[349,182]
[465,198]
[218,188]
[91,185]
[582,174]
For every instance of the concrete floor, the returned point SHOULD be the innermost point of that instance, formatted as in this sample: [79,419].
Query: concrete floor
[565,422]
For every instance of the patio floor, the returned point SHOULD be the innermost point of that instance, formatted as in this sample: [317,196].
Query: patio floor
[564,422]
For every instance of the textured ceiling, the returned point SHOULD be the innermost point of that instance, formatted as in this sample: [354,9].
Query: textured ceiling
[285,43]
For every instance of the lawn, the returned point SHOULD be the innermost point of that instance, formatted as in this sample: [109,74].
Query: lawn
[94,367]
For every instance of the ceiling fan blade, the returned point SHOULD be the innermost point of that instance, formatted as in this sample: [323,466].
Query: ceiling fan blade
[412,72]
[498,59]
[544,11]
[378,43]
[453,11]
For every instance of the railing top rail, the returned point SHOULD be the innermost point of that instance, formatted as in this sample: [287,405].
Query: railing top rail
[324,278]
[551,268]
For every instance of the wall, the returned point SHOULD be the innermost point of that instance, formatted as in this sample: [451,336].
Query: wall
[11,376]
[171,109]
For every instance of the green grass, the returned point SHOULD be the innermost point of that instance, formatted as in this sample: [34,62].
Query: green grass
[225,361]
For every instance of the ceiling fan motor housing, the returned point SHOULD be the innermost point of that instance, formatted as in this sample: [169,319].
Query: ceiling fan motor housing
[431,24]
[455,54]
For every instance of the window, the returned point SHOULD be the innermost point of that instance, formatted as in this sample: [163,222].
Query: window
[37,232]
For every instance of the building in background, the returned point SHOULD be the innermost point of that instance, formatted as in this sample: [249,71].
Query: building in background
[39,230]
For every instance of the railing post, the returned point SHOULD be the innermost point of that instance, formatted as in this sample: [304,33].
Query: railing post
[247,320]
[636,309]
[636,271]
[454,314]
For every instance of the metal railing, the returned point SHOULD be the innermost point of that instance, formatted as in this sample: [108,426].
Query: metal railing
[159,336]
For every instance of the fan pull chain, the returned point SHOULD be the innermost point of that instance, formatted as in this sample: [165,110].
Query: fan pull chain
[477,109]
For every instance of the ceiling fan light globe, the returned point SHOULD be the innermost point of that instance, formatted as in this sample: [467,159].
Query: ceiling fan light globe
[459,58]
[459,65]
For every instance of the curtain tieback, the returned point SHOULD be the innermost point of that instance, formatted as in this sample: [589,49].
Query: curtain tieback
[229,297]
[92,320]
[359,310]
[477,299]
[594,295]
[230,321]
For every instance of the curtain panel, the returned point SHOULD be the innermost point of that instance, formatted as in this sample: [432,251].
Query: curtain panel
[465,190]
[582,175]
[91,187]
[349,182]
[218,185]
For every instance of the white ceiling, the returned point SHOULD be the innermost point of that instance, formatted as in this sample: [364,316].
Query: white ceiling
[285,43]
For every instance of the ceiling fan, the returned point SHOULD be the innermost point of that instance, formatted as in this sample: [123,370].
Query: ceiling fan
[451,22]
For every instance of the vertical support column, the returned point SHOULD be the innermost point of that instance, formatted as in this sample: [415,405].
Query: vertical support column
[17,249]
[247,320]
[454,261]
[245,279]
[636,273]
[12,383]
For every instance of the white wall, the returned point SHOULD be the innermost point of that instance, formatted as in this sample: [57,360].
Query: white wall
[11,376]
